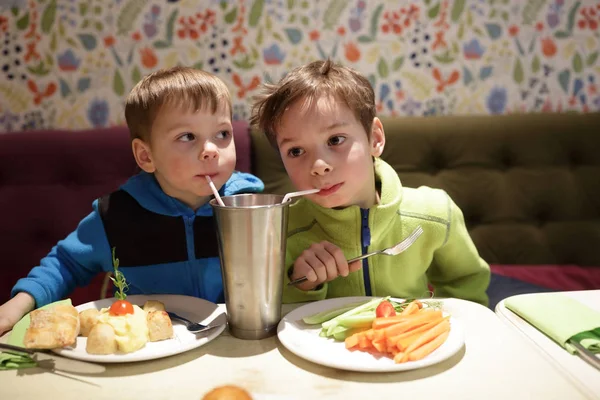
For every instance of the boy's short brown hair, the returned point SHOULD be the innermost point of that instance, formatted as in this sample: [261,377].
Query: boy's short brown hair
[178,86]
[312,81]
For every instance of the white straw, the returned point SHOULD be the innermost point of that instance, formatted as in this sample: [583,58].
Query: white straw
[300,193]
[215,191]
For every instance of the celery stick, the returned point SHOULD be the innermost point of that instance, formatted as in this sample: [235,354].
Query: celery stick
[338,329]
[358,321]
[343,334]
[323,316]
[371,304]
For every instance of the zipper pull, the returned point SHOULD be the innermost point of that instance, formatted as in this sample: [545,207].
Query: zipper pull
[366,232]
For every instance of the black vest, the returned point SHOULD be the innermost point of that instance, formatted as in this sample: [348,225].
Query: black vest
[143,238]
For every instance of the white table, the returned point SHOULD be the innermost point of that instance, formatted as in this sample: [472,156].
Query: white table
[574,368]
[494,364]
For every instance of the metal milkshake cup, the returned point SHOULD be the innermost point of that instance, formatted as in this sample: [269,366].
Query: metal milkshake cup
[252,232]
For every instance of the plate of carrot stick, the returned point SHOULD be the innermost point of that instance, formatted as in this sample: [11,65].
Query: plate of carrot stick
[372,334]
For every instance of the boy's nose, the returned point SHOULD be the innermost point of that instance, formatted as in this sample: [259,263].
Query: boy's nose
[209,152]
[320,167]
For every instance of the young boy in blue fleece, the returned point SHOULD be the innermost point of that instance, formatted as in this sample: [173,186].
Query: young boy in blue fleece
[159,222]
[322,119]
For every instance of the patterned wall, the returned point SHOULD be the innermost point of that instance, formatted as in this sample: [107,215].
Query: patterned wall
[69,64]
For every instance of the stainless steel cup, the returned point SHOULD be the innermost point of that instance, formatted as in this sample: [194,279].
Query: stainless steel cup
[252,232]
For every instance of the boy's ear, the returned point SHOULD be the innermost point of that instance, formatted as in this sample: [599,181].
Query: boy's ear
[142,155]
[377,138]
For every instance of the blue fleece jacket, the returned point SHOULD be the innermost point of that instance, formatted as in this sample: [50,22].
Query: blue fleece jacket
[86,252]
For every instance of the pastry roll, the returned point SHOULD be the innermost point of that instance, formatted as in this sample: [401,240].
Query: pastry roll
[101,340]
[159,326]
[228,392]
[87,320]
[153,305]
[52,328]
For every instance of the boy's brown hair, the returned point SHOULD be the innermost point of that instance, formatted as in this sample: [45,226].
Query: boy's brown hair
[179,87]
[310,82]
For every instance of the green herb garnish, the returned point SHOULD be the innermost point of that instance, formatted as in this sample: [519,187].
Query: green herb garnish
[119,278]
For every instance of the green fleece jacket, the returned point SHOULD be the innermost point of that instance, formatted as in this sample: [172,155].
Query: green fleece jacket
[444,256]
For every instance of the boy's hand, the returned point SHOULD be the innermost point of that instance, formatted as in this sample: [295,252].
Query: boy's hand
[14,309]
[321,262]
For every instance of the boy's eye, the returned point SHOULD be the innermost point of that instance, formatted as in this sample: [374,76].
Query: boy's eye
[223,135]
[336,140]
[186,137]
[295,152]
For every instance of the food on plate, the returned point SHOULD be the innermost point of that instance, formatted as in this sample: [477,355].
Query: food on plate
[124,327]
[128,322]
[52,328]
[385,309]
[407,331]
[87,320]
[153,305]
[227,392]
[121,307]
[110,333]
[131,330]
[101,340]
[121,328]
[159,326]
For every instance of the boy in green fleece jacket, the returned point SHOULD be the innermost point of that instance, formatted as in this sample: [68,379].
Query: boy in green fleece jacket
[321,117]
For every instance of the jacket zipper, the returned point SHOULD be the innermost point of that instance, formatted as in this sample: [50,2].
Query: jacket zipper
[365,234]
[191,250]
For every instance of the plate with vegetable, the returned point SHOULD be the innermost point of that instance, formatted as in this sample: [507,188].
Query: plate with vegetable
[372,334]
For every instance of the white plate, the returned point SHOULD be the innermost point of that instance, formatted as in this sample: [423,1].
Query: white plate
[193,308]
[304,341]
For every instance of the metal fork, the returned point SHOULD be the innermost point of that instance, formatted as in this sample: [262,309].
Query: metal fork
[195,327]
[390,251]
[585,354]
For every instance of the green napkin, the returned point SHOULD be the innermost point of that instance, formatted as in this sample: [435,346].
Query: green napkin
[13,359]
[560,317]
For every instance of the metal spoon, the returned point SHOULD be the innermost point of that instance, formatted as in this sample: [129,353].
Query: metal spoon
[195,327]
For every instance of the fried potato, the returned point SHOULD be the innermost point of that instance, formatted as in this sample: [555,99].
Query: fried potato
[88,319]
[101,340]
[153,305]
[53,328]
[159,326]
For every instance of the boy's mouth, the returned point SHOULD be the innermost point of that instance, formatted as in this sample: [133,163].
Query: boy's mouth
[327,190]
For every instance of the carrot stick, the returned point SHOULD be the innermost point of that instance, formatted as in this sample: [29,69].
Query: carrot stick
[399,357]
[351,341]
[428,348]
[410,309]
[379,344]
[393,340]
[402,344]
[363,342]
[378,334]
[429,335]
[380,323]
[410,322]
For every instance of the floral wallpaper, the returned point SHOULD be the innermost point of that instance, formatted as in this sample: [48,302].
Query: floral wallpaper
[69,64]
